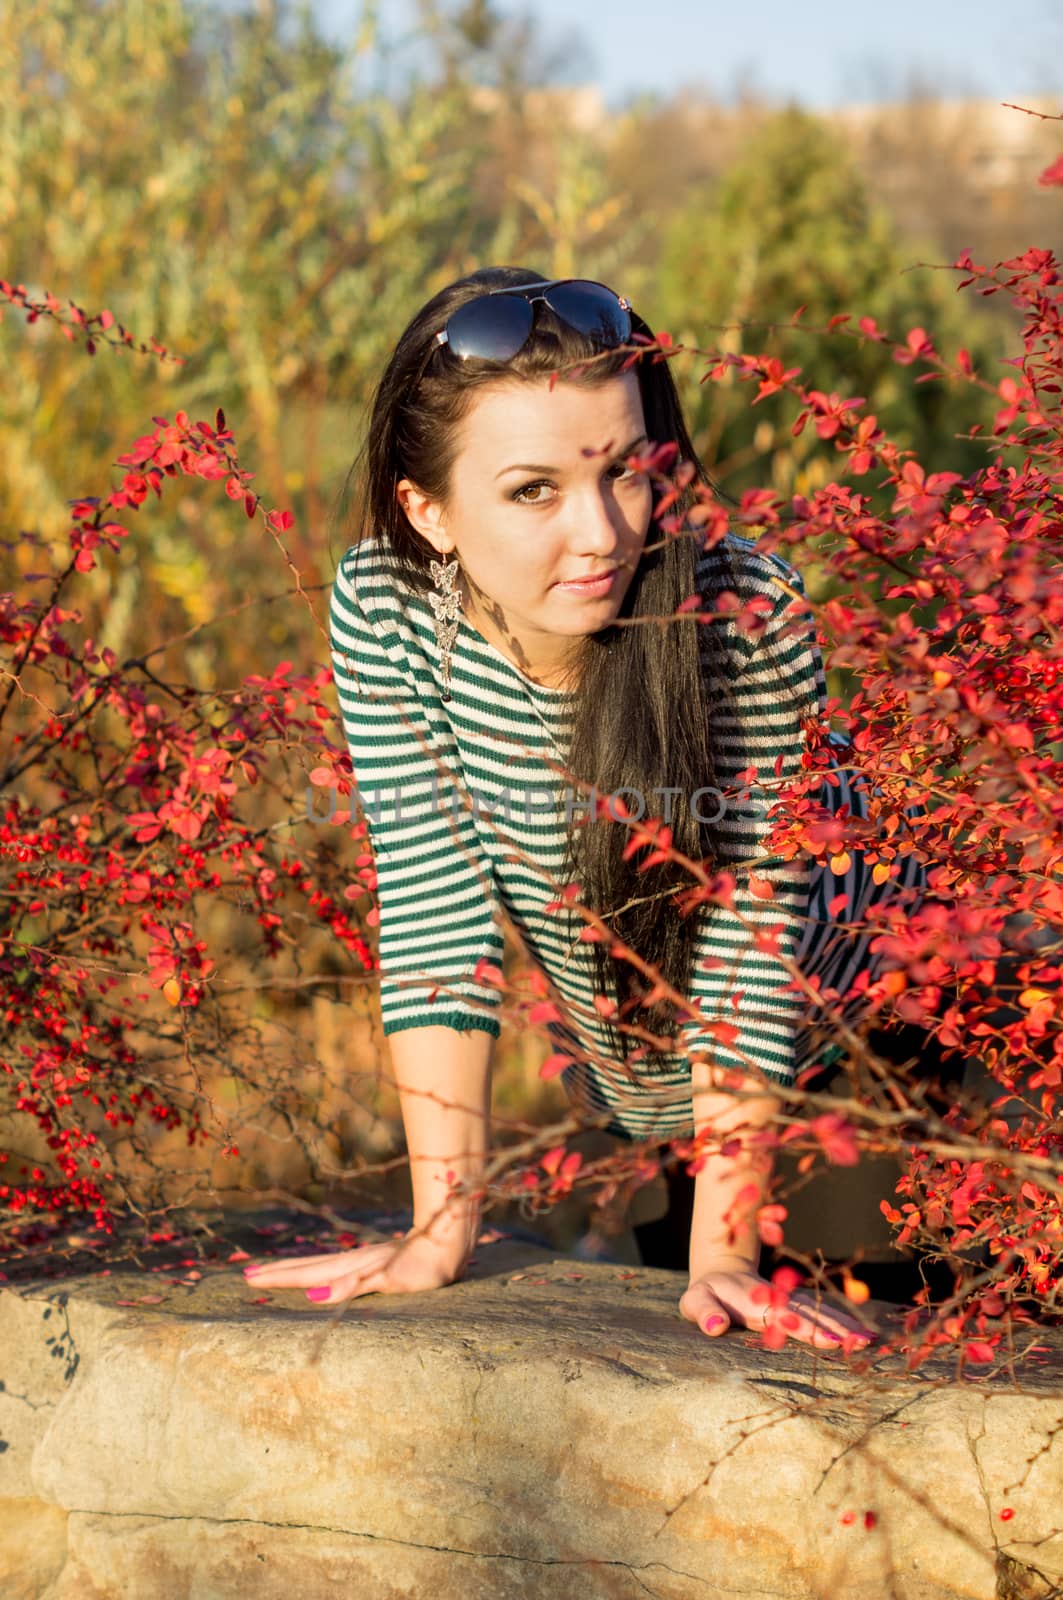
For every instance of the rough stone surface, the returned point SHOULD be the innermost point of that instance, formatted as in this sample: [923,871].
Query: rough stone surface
[545,1429]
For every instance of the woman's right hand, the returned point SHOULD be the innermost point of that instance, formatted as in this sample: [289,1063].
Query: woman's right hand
[395,1266]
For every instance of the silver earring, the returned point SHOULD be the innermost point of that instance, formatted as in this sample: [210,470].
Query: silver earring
[446,604]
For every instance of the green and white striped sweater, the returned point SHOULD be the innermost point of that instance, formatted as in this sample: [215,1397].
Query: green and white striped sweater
[445,871]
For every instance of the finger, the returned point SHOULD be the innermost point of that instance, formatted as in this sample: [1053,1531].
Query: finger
[288,1264]
[795,1316]
[698,1304]
[840,1322]
[809,1329]
[292,1261]
[305,1272]
[354,1284]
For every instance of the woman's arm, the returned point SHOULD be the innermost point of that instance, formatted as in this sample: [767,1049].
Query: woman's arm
[443,1079]
[436,895]
[759,716]
[438,921]
[741,981]
[725,1285]
[721,1231]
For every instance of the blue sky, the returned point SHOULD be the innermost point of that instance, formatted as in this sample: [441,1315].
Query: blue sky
[822,54]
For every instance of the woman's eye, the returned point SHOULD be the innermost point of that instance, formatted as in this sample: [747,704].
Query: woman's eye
[519,495]
[522,495]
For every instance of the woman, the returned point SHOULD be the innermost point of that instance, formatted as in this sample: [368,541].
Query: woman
[489,632]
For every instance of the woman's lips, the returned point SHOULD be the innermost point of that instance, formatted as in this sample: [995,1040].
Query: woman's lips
[599,585]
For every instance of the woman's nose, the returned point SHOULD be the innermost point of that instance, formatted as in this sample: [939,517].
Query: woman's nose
[599,525]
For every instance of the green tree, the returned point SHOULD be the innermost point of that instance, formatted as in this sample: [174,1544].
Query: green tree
[233,186]
[791,225]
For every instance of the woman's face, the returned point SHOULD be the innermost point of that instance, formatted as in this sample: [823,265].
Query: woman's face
[539,496]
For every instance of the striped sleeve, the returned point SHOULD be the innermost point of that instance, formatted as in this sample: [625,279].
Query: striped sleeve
[758,718]
[436,892]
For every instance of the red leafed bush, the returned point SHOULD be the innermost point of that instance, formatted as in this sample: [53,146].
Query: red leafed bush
[961,710]
[133,810]
[133,805]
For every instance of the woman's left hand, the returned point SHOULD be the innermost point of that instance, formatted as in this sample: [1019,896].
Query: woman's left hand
[724,1294]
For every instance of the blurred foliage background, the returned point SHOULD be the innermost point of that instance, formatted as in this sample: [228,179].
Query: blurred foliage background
[273,208]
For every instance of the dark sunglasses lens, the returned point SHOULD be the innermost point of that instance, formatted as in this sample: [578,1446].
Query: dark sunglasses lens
[593,309]
[492,328]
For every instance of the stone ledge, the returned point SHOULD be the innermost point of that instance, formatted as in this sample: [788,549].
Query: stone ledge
[557,1434]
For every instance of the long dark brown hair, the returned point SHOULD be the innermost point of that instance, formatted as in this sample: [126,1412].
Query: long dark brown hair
[641,718]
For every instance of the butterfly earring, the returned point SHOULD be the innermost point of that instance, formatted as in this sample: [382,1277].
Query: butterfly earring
[446,604]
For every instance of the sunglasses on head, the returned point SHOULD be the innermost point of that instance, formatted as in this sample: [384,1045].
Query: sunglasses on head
[495,325]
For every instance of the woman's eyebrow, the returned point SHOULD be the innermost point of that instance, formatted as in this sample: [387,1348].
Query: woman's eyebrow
[533,466]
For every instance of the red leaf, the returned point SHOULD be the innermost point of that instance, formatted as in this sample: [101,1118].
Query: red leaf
[545,1011]
[979,1351]
[836,1137]
[147,825]
[767,939]
[768,1223]
[1053,174]
[725,1032]
[189,825]
[762,888]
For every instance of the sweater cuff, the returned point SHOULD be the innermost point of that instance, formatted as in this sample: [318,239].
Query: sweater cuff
[462,1021]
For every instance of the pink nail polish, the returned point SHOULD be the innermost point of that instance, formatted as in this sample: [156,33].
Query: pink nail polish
[712,1322]
[318,1294]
